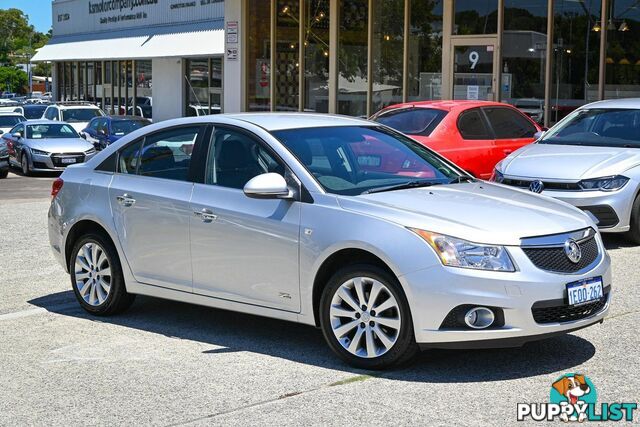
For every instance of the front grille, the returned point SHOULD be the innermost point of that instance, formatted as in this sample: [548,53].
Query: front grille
[557,186]
[57,159]
[554,258]
[566,313]
[605,214]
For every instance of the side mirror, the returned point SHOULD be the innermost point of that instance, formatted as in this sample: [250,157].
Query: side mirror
[539,134]
[267,186]
[83,135]
[17,135]
[102,132]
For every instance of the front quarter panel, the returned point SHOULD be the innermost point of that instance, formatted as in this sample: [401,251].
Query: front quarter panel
[326,229]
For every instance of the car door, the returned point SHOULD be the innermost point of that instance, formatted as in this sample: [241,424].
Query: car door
[243,249]
[475,152]
[511,129]
[150,198]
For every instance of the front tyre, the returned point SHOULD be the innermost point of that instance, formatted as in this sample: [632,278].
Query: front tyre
[365,318]
[96,276]
[634,233]
[24,164]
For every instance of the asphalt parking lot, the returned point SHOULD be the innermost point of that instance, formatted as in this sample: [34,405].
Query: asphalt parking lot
[167,363]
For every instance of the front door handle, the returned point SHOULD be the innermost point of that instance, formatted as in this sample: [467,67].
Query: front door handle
[507,152]
[206,215]
[126,200]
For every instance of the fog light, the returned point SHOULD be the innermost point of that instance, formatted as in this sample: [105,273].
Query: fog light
[479,318]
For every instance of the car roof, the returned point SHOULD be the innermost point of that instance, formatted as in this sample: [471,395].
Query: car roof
[123,118]
[283,121]
[631,103]
[43,122]
[69,107]
[448,105]
[10,113]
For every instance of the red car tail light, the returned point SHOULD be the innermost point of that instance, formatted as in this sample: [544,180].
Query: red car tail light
[56,187]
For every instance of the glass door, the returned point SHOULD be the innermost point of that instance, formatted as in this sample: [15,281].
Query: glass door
[474,69]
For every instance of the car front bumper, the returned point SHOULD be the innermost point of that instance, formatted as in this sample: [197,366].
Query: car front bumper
[433,293]
[43,163]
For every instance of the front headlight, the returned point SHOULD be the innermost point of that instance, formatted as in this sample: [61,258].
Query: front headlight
[39,152]
[607,183]
[454,252]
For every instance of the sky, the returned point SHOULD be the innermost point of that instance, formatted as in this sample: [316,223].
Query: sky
[39,11]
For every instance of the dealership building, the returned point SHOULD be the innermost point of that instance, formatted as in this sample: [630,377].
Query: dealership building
[194,57]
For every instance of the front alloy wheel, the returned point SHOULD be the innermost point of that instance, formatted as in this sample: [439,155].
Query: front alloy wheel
[24,163]
[365,318]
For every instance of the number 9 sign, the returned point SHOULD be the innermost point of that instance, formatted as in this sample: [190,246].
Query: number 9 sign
[474,57]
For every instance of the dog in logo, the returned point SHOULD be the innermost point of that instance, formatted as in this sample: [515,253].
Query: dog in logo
[572,388]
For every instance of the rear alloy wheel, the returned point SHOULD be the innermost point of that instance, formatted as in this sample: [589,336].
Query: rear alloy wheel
[365,318]
[96,276]
[24,164]
[634,232]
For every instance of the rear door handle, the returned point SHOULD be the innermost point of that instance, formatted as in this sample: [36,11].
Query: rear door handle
[125,200]
[206,215]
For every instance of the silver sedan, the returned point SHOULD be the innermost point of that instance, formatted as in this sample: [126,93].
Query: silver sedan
[590,159]
[328,221]
[44,145]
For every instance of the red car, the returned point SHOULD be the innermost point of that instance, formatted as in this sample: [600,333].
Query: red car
[475,135]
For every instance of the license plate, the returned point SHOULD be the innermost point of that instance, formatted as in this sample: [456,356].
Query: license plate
[585,291]
[68,160]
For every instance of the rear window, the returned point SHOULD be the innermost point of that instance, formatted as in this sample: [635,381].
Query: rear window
[412,121]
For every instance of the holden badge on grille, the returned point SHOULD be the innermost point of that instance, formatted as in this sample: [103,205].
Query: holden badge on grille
[572,251]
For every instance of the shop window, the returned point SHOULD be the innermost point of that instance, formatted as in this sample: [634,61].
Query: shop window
[387,51]
[475,17]
[316,48]
[352,57]
[424,80]
[623,50]
[576,50]
[202,98]
[287,63]
[258,55]
[524,51]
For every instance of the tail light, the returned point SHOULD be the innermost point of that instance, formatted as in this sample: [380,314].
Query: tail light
[56,187]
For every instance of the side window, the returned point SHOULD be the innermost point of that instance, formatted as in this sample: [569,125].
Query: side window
[53,114]
[234,158]
[128,158]
[509,124]
[472,126]
[17,128]
[93,125]
[167,154]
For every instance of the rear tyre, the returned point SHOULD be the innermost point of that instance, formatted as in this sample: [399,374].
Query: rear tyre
[634,233]
[96,276]
[24,164]
[365,318]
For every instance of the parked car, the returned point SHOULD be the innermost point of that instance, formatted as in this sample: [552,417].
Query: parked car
[102,131]
[77,114]
[532,107]
[475,135]
[377,253]
[590,159]
[44,145]
[34,111]
[9,120]
[4,159]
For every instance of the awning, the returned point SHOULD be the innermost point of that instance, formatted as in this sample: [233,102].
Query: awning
[186,44]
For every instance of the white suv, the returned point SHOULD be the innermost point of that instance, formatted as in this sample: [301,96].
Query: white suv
[77,114]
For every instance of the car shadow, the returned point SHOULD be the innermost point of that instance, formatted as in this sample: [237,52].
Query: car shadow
[229,332]
[616,241]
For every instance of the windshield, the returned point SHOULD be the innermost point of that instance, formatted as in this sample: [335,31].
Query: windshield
[49,131]
[10,121]
[351,160]
[597,127]
[412,121]
[123,127]
[80,114]
[34,112]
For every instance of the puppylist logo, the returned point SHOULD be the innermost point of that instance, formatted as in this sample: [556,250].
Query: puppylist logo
[573,397]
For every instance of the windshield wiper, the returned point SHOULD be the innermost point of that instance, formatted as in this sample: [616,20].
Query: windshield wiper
[461,179]
[403,186]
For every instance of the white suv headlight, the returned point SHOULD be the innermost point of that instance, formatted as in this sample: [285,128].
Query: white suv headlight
[454,252]
[607,183]
[39,152]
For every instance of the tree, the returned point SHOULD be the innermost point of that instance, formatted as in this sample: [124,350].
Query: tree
[13,79]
